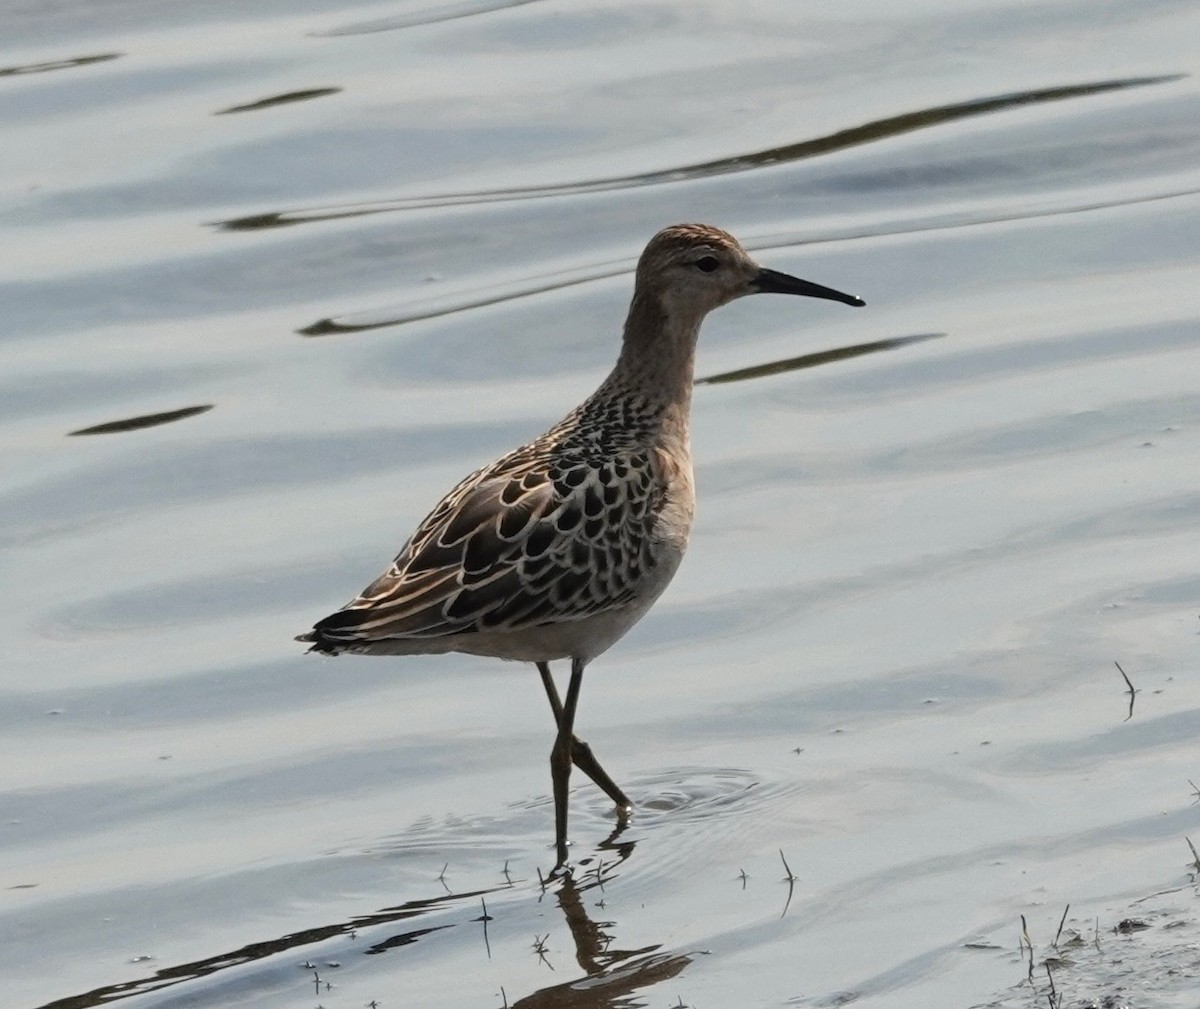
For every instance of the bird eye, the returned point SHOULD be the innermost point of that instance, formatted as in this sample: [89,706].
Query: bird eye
[707,263]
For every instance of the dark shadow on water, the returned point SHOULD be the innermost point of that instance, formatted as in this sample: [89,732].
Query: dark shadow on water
[168,976]
[330,327]
[556,281]
[426,16]
[610,974]
[855,136]
[67,64]
[815,359]
[284,99]
[146,420]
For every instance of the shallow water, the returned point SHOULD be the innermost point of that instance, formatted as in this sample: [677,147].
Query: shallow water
[276,275]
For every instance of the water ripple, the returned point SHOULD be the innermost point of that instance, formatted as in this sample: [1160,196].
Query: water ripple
[543,283]
[65,64]
[871,132]
[145,420]
[261,950]
[424,16]
[283,99]
[816,359]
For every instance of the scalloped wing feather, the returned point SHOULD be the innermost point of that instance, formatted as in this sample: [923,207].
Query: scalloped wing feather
[519,544]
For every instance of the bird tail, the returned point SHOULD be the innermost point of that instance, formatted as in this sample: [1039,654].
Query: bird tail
[320,643]
[339,632]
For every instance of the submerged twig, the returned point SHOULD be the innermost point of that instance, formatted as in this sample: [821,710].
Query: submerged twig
[791,876]
[1052,997]
[790,879]
[1029,945]
[539,947]
[485,918]
[1132,691]
[1061,921]
[1195,857]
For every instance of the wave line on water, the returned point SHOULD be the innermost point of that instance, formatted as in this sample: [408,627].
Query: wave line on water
[545,283]
[286,98]
[855,136]
[426,16]
[815,359]
[142,421]
[167,977]
[64,64]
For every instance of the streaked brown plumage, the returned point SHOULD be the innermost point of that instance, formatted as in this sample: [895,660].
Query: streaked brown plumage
[556,549]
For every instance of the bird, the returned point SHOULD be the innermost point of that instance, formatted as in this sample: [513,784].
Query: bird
[556,549]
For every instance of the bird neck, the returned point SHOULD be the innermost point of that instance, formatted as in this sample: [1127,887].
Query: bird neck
[658,355]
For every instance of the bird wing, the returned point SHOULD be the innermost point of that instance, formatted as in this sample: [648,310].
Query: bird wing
[522,543]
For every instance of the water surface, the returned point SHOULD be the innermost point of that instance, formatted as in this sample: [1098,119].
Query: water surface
[277,275]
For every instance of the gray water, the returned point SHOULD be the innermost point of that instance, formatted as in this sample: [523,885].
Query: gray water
[298,267]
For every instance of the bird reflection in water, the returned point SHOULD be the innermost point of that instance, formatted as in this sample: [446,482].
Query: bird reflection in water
[610,974]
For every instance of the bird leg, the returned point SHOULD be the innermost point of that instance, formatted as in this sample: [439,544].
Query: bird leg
[560,761]
[581,754]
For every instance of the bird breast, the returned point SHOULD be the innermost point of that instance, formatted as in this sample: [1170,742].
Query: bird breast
[673,470]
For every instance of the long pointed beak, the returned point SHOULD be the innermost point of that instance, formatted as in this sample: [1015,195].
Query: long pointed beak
[774,282]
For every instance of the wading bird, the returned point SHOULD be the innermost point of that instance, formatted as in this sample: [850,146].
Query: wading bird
[556,549]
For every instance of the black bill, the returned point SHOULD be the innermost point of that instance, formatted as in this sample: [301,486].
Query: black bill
[774,282]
